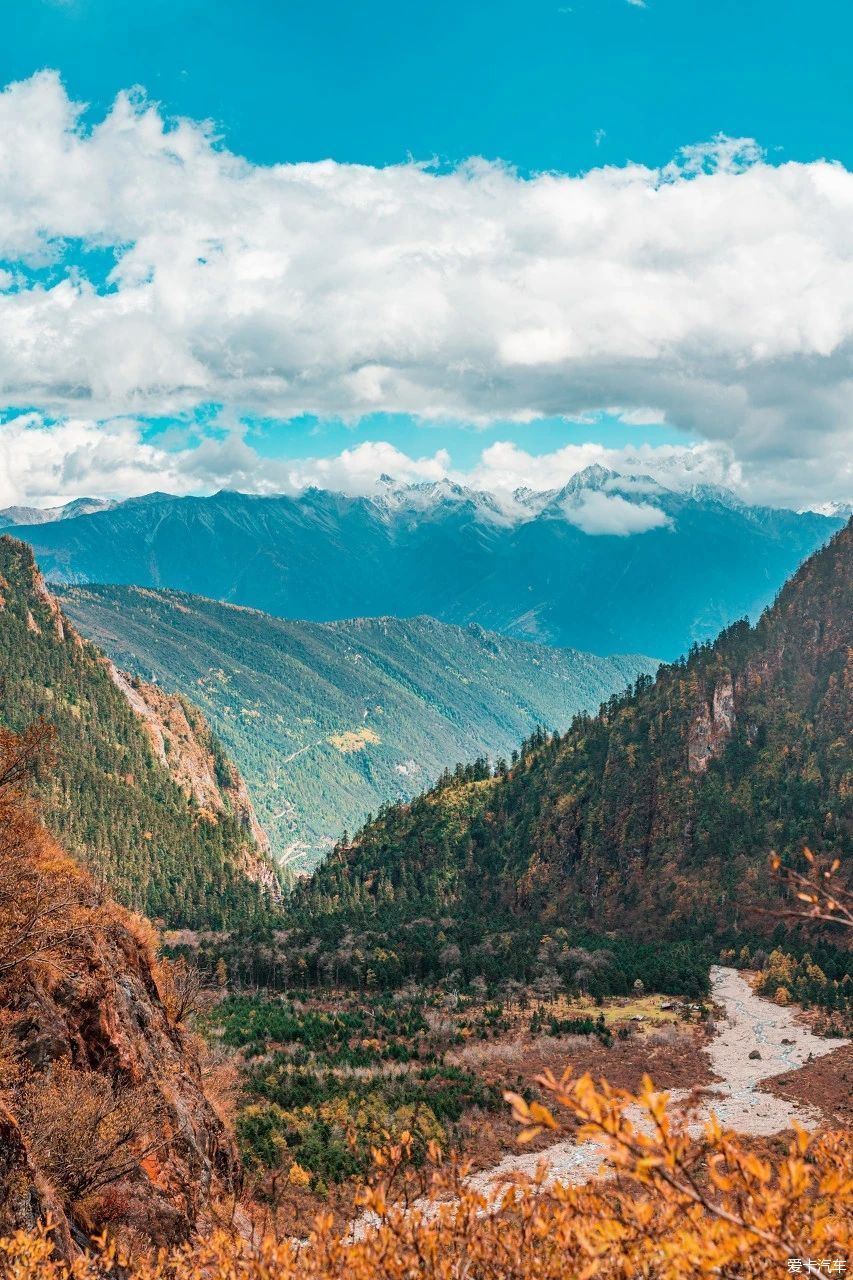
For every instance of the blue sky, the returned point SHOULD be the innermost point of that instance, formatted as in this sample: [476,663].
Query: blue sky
[174,307]
[530,82]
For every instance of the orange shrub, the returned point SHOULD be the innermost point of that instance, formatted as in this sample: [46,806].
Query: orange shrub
[675,1208]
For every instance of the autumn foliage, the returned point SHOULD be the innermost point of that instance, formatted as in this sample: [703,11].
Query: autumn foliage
[103,1120]
[41,891]
[668,1206]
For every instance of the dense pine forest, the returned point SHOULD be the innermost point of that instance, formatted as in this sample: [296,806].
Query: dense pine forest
[107,796]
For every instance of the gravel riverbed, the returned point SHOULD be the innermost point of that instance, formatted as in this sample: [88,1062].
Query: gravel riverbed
[746,1023]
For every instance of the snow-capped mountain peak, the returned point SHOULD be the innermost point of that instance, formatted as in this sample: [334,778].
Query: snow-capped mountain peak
[840,510]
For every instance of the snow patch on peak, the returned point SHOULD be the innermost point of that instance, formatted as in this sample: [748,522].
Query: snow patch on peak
[836,510]
[716,493]
[428,495]
[10,516]
[593,477]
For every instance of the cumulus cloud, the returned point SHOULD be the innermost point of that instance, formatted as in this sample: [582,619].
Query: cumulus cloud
[504,467]
[718,289]
[45,463]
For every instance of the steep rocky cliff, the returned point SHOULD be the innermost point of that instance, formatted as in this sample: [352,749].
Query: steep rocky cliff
[186,747]
[105,1017]
[711,726]
[26,1200]
[103,1116]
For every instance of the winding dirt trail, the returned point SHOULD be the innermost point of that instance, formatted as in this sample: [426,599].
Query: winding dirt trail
[749,1023]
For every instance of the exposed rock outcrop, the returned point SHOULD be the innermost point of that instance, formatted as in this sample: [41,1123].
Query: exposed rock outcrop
[25,1199]
[184,743]
[95,1012]
[51,604]
[711,727]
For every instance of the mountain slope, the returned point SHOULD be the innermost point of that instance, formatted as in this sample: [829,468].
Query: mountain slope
[328,722]
[103,1117]
[548,567]
[657,815]
[141,790]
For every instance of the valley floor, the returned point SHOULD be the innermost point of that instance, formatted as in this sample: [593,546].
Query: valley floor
[323,1076]
[746,1025]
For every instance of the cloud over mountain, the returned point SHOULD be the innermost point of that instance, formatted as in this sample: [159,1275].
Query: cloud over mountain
[46,462]
[596,513]
[716,291]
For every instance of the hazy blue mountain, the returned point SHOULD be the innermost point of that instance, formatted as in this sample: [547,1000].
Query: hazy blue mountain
[550,567]
[329,721]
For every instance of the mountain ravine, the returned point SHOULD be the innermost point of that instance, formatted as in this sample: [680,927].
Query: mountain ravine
[330,721]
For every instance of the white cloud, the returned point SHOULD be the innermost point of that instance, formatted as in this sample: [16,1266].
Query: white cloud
[718,289]
[504,467]
[44,464]
[357,470]
[596,513]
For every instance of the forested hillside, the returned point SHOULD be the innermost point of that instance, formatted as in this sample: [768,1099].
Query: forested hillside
[656,817]
[536,568]
[327,722]
[140,789]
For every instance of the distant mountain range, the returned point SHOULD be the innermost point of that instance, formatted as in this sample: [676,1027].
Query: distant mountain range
[328,722]
[608,563]
[13,516]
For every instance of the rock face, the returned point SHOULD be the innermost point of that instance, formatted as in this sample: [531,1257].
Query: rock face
[183,742]
[51,606]
[712,726]
[96,1013]
[25,1199]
